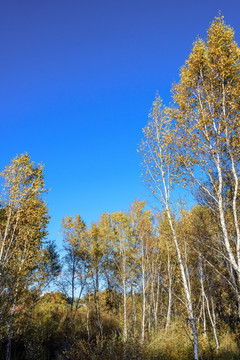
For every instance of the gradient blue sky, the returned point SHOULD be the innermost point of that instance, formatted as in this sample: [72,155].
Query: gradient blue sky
[77,81]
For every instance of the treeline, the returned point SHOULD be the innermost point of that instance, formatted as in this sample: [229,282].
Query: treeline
[126,268]
[120,291]
[119,288]
[138,284]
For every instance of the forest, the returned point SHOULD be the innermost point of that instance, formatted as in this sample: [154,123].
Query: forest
[144,283]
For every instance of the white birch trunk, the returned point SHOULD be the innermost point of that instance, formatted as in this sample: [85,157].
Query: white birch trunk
[124,301]
[212,318]
[156,304]
[203,298]
[134,306]
[169,294]
[186,289]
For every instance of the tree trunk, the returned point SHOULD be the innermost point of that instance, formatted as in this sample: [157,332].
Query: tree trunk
[186,289]
[134,306]
[144,297]
[124,301]
[169,294]
[156,304]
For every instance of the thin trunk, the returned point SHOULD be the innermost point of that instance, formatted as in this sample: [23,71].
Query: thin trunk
[234,203]
[124,301]
[3,238]
[144,295]
[204,317]
[78,299]
[97,280]
[222,217]
[73,288]
[134,305]
[169,294]
[234,284]
[235,176]
[214,323]
[186,289]
[203,296]
[97,305]
[149,317]
[156,304]
[124,310]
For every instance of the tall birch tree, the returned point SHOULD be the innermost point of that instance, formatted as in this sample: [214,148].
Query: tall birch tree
[161,175]
[207,125]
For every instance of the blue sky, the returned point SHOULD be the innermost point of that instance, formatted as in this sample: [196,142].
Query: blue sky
[77,81]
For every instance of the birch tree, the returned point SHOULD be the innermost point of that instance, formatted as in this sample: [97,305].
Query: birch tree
[207,124]
[74,235]
[23,222]
[143,232]
[161,173]
[121,245]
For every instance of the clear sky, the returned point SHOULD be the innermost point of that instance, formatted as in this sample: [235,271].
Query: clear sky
[77,81]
